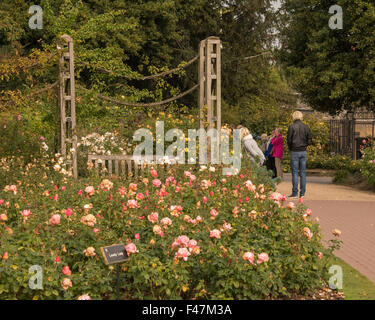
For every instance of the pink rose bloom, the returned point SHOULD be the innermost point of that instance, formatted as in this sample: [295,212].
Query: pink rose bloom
[156,183]
[89,252]
[26,213]
[215,234]
[262,257]
[90,190]
[205,199]
[95,230]
[132,204]
[291,205]
[55,219]
[308,233]
[187,174]
[66,271]
[140,196]
[276,196]
[248,256]
[68,212]
[13,188]
[308,212]
[84,297]
[133,186]
[183,253]
[166,222]
[131,248]
[214,213]
[300,200]
[199,219]
[157,230]
[320,255]
[153,217]
[1,201]
[192,177]
[3,217]
[192,244]
[227,226]
[183,240]
[154,173]
[66,283]
[56,197]
[137,236]
[89,220]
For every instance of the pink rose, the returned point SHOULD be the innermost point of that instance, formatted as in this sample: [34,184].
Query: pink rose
[153,217]
[26,213]
[84,297]
[55,219]
[133,186]
[131,248]
[156,183]
[166,222]
[192,244]
[139,196]
[132,204]
[90,190]
[308,212]
[262,257]
[66,283]
[183,253]
[215,234]
[248,256]
[154,173]
[214,213]
[66,271]
[137,236]
[291,205]
[89,252]
[68,212]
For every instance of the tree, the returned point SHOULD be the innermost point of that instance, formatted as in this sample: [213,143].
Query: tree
[333,69]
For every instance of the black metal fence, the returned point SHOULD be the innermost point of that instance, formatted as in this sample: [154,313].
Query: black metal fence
[348,133]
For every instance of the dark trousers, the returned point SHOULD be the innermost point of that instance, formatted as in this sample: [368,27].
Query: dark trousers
[270,164]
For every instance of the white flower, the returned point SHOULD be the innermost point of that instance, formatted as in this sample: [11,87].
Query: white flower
[56,167]
[212,169]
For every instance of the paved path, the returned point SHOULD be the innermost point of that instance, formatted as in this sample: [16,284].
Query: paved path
[350,210]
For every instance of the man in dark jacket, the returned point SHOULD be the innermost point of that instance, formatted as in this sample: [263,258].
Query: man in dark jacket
[299,137]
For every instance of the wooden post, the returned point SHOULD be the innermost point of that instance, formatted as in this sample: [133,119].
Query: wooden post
[67,101]
[209,74]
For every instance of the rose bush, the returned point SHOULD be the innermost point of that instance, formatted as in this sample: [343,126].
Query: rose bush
[190,233]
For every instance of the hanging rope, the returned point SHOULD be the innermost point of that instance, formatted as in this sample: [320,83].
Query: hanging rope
[151,104]
[154,76]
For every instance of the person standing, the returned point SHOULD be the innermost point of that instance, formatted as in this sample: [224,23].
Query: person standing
[278,151]
[270,160]
[298,138]
[251,147]
[264,142]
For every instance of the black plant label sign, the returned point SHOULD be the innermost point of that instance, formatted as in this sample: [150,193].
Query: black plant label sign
[114,254]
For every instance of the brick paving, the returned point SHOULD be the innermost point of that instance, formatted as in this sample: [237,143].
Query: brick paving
[347,209]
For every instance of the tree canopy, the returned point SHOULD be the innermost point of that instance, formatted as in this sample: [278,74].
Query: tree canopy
[333,69]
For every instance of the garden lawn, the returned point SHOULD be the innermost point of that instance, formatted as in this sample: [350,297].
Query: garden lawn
[355,285]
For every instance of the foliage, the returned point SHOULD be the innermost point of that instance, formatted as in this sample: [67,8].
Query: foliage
[368,162]
[332,69]
[51,220]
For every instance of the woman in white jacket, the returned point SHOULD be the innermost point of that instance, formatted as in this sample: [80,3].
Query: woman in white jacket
[251,147]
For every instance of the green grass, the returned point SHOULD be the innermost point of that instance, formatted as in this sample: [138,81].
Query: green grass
[355,285]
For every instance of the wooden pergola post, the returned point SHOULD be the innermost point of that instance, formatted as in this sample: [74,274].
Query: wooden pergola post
[209,77]
[67,106]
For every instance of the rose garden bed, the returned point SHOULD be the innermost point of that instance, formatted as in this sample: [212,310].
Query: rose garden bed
[191,233]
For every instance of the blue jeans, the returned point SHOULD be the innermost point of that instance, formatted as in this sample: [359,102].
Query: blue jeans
[298,162]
